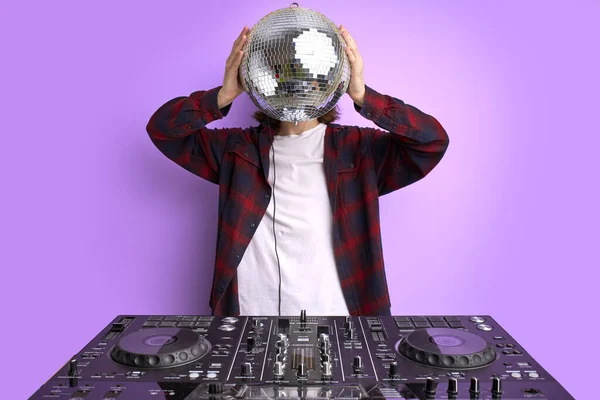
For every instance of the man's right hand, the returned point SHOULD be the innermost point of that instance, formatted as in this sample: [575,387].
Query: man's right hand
[232,87]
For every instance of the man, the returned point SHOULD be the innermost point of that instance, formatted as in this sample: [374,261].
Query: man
[298,222]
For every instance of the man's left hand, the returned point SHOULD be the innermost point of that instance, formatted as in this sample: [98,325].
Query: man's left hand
[356,88]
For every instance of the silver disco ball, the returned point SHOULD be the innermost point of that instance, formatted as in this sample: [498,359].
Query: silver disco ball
[295,67]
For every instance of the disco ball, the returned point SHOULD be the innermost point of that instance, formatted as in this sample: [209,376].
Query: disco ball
[295,66]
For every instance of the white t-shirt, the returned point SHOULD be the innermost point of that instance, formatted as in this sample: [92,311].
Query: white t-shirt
[303,226]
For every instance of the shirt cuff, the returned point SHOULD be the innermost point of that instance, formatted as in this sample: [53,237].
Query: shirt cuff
[368,109]
[205,102]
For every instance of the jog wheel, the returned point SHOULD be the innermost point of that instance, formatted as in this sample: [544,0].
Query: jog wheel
[159,348]
[446,348]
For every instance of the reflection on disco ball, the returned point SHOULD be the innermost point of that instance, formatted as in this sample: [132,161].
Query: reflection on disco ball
[294,66]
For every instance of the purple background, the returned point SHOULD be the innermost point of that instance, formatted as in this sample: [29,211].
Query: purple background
[96,222]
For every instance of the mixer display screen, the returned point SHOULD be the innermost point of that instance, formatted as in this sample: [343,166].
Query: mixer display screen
[302,357]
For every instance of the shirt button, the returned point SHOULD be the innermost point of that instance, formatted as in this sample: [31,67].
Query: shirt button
[351,165]
[246,154]
[368,114]
[215,115]
[189,126]
[267,196]
[237,256]
[252,225]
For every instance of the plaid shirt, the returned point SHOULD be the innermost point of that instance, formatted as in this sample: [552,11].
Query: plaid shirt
[360,165]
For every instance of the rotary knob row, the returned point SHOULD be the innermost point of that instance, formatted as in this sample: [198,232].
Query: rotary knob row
[474,390]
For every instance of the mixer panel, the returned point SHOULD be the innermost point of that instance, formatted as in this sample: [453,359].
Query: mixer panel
[302,357]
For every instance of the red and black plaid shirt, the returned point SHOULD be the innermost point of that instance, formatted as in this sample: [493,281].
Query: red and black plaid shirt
[360,165]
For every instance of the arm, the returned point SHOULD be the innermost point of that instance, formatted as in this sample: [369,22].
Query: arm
[178,130]
[410,145]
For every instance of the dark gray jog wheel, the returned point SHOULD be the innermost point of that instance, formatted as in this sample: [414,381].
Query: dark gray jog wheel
[159,348]
[446,348]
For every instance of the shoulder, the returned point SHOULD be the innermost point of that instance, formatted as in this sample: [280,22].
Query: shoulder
[350,137]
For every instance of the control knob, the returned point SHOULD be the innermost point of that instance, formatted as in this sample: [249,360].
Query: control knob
[430,386]
[283,339]
[301,372]
[324,343]
[249,343]
[326,369]
[278,369]
[393,371]
[452,387]
[246,369]
[496,386]
[72,373]
[357,364]
[474,387]
[351,334]
[215,387]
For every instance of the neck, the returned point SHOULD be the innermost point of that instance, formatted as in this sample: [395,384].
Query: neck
[289,128]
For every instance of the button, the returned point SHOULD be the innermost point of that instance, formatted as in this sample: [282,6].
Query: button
[150,324]
[194,375]
[498,337]
[185,324]
[404,325]
[215,115]
[238,256]
[226,327]
[436,319]
[500,345]
[477,320]
[246,154]
[506,351]
[456,324]
[439,324]
[515,375]
[517,352]
[422,324]
[211,375]
[252,225]
[189,126]
[534,375]
[450,319]
[484,327]
[202,324]
[510,345]
[351,165]
[230,320]
[401,319]
[170,324]
[418,319]
[267,196]
[368,114]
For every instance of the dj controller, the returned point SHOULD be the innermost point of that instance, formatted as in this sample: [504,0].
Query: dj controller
[302,357]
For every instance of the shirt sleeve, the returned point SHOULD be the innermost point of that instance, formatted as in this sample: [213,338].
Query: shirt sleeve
[409,144]
[178,130]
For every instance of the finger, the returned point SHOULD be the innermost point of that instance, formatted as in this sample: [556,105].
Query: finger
[351,55]
[240,38]
[349,40]
[234,61]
